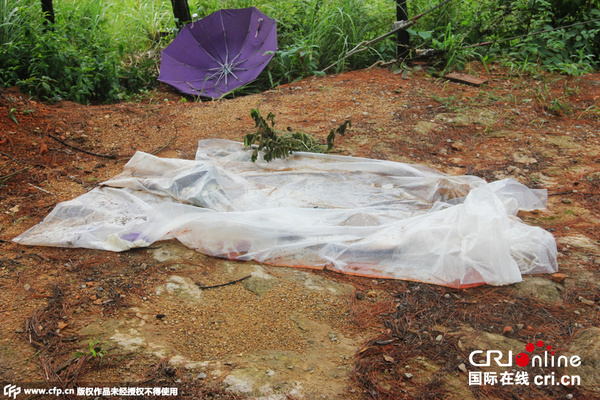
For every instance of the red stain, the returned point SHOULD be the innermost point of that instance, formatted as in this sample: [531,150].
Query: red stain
[540,343]
[529,347]
[522,359]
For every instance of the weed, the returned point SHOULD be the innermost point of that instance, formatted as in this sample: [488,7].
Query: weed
[11,114]
[94,350]
[279,144]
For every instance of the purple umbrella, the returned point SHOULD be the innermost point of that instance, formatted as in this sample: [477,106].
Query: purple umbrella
[220,52]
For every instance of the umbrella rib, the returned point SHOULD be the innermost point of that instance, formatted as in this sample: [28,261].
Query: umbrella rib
[212,45]
[226,46]
[273,26]
[201,46]
[254,53]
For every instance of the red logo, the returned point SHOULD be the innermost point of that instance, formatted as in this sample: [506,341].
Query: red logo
[522,359]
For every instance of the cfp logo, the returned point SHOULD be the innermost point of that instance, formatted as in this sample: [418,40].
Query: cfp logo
[12,391]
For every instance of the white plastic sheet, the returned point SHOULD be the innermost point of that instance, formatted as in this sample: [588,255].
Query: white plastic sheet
[353,215]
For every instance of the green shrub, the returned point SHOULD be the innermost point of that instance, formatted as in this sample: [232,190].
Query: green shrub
[77,59]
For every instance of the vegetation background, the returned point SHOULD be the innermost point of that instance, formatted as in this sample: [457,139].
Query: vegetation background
[106,51]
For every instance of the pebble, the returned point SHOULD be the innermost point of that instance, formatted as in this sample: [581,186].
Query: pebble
[202,375]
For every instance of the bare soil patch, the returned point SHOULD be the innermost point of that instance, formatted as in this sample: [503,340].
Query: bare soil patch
[289,333]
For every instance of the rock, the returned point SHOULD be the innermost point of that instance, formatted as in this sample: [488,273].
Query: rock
[258,285]
[181,288]
[260,281]
[479,116]
[540,288]
[580,241]
[558,277]
[425,127]
[522,157]
[586,345]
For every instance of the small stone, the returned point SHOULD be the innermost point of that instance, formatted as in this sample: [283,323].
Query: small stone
[439,338]
[202,375]
[388,358]
[462,367]
[520,326]
[408,375]
[566,201]
[27,286]
[586,301]
[559,277]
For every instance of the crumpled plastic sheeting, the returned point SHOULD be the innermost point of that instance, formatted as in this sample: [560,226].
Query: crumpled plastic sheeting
[353,215]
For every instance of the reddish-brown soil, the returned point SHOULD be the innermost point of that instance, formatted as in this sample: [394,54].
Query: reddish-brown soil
[542,130]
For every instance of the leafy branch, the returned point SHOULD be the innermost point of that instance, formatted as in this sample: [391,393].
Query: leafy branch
[277,144]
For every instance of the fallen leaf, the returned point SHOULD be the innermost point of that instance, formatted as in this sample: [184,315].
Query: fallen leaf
[62,325]
[558,277]
[43,148]
[507,330]
[388,358]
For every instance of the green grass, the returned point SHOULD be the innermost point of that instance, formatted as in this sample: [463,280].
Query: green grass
[103,51]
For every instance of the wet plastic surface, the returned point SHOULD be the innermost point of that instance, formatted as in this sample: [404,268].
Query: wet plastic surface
[354,215]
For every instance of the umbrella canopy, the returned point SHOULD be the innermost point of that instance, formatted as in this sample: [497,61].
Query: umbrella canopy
[220,52]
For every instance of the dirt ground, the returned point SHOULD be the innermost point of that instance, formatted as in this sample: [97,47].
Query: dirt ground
[77,317]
